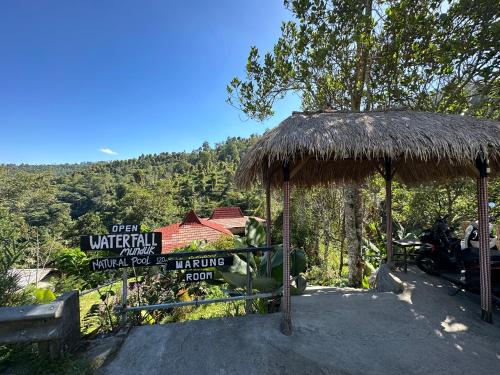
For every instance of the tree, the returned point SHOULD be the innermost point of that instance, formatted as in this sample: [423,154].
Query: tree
[352,55]
[12,245]
[89,223]
[152,207]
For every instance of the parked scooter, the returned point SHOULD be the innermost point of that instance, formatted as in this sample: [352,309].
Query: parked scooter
[471,237]
[439,250]
[442,252]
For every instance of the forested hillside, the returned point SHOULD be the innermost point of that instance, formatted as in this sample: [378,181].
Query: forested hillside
[49,206]
[46,208]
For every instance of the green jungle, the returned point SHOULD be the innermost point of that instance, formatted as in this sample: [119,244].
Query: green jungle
[336,57]
[44,210]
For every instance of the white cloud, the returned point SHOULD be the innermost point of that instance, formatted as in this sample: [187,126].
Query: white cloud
[108,151]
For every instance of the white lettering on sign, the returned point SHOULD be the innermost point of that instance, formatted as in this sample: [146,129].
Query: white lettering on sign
[95,244]
[146,250]
[141,241]
[119,241]
[129,244]
[108,263]
[199,276]
[142,257]
[136,262]
[125,228]
[161,260]
[125,238]
[200,263]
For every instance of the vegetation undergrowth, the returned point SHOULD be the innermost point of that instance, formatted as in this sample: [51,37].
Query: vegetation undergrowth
[27,359]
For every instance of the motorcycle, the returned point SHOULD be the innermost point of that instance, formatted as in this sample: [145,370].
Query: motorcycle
[439,249]
[442,252]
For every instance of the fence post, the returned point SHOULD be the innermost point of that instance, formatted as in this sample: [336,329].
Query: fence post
[124,297]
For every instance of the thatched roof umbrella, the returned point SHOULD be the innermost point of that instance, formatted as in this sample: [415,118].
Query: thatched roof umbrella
[320,147]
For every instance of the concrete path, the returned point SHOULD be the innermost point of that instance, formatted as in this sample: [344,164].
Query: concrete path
[336,331]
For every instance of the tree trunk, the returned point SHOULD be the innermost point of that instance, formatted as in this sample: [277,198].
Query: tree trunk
[316,244]
[353,213]
[268,228]
[325,251]
[353,234]
[342,246]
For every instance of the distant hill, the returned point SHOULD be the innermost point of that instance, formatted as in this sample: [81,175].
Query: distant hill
[66,200]
[229,150]
[57,169]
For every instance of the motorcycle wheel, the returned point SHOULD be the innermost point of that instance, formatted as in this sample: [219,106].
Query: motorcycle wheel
[427,264]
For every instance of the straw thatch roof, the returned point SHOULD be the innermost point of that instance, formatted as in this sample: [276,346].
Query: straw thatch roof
[323,147]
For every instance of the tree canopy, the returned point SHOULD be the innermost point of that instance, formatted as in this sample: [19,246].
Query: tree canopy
[343,54]
[431,55]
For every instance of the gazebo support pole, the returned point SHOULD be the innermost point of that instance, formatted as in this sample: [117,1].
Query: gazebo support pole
[388,207]
[268,227]
[286,320]
[484,243]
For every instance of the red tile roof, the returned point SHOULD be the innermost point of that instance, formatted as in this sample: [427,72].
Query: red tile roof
[231,218]
[191,218]
[191,229]
[226,213]
[235,224]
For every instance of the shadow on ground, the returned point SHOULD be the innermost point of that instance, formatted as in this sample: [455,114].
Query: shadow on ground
[424,330]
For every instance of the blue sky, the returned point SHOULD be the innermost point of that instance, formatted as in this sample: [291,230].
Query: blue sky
[133,77]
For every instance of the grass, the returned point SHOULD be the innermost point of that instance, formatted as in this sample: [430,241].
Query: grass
[88,300]
[26,359]
[216,310]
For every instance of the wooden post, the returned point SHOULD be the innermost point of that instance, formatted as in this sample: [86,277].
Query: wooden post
[484,243]
[286,321]
[388,207]
[268,226]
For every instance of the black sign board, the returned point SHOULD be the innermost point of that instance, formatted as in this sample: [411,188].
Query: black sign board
[111,263]
[126,244]
[125,228]
[193,276]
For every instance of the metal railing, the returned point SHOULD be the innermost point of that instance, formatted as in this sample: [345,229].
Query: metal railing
[248,297]
[84,292]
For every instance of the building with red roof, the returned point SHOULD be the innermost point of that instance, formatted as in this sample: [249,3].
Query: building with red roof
[191,229]
[223,221]
[231,218]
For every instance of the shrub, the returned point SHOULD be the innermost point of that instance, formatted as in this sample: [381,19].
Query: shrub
[222,243]
[319,276]
[74,264]
[10,294]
